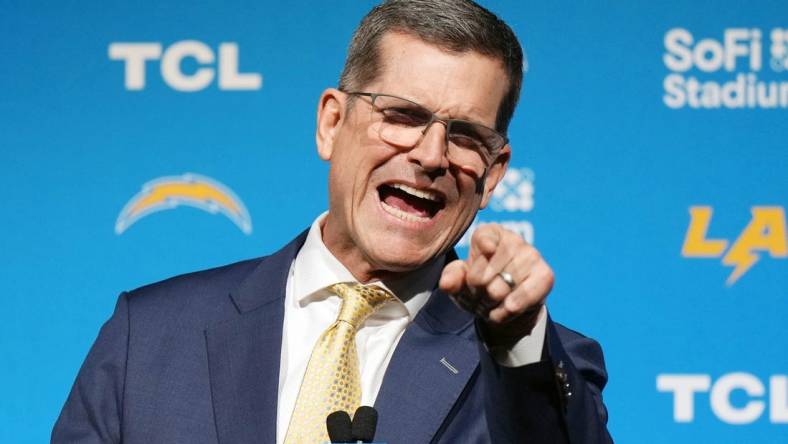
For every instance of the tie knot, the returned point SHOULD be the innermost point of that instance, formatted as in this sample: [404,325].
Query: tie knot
[359,301]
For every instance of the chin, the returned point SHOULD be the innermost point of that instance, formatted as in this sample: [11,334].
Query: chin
[400,259]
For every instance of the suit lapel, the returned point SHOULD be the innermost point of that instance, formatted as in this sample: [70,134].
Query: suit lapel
[431,365]
[563,362]
[433,362]
[243,353]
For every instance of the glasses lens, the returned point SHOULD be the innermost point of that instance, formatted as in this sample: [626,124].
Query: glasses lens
[400,122]
[472,145]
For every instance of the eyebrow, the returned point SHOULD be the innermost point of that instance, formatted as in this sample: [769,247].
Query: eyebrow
[452,117]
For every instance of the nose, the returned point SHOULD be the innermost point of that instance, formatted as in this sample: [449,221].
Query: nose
[430,151]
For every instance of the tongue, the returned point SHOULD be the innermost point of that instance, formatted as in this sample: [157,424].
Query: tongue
[406,202]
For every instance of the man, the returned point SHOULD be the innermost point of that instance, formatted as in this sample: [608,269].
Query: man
[415,140]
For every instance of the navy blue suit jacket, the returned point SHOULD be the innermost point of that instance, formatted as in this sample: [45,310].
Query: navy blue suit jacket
[195,359]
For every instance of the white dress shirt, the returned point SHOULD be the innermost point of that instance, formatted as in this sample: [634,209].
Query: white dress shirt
[310,309]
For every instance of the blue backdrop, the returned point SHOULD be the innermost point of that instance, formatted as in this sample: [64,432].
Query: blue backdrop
[649,168]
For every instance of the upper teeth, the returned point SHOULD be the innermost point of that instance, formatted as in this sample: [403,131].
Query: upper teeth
[418,193]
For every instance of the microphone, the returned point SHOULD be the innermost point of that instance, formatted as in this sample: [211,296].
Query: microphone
[339,427]
[365,421]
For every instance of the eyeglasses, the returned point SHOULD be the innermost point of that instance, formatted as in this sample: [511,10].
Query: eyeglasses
[404,123]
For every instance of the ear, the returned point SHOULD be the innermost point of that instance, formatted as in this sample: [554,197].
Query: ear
[495,174]
[330,114]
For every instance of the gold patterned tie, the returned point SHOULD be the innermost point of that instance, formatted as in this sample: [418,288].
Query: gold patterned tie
[332,380]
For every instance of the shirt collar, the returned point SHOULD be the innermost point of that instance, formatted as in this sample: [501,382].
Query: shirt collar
[315,268]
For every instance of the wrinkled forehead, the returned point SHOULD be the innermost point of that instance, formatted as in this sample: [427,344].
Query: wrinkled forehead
[466,85]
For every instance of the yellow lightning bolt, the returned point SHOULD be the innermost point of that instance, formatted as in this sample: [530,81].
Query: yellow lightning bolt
[197,191]
[189,189]
[766,232]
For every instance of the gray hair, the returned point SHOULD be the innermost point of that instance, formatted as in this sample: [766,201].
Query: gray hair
[454,25]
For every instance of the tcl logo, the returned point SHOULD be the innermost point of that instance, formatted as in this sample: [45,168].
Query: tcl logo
[135,55]
[685,386]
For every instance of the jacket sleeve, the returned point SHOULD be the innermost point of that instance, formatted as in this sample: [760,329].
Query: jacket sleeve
[93,412]
[556,400]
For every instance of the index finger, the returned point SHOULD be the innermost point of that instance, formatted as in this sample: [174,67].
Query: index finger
[485,241]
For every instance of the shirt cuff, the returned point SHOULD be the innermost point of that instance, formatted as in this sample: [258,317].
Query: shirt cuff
[528,349]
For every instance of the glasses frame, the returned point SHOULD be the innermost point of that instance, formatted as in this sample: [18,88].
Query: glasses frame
[445,121]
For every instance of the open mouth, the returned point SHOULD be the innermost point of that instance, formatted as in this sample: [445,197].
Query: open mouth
[408,203]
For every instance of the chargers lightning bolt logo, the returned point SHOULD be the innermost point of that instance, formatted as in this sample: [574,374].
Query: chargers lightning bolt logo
[765,233]
[166,193]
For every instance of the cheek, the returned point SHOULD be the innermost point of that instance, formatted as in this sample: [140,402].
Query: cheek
[472,191]
[373,132]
